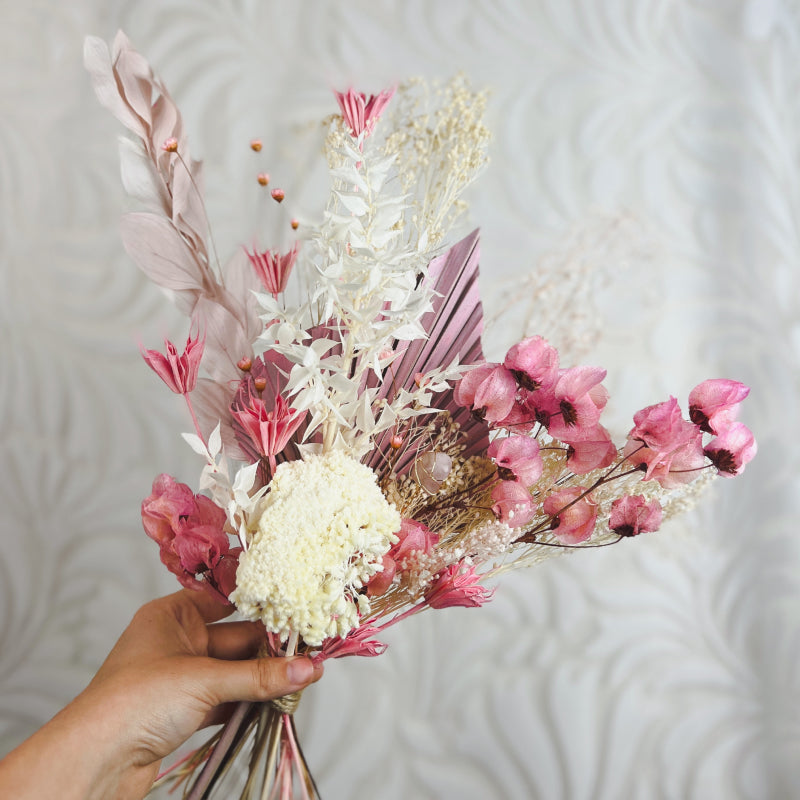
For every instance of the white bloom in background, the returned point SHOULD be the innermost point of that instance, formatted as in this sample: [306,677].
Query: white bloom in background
[323,531]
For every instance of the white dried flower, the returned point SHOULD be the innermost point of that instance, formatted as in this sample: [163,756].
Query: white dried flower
[323,531]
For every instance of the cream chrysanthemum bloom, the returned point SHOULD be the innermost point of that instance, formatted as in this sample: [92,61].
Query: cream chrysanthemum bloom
[323,532]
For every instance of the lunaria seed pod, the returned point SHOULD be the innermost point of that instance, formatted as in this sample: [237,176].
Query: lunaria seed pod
[430,470]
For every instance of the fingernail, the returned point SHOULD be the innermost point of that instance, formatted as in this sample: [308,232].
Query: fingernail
[300,670]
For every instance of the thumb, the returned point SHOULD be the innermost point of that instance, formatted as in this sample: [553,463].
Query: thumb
[257,679]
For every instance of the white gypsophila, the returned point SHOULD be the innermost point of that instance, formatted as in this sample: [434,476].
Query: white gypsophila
[323,531]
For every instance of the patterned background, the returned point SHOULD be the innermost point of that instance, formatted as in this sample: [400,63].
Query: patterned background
[665,132]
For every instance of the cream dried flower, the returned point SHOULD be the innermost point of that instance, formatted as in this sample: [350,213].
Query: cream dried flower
[323,531]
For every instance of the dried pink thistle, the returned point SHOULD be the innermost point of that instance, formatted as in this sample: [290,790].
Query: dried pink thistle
[273,268]
[457,586]
[360,113]
[178,372]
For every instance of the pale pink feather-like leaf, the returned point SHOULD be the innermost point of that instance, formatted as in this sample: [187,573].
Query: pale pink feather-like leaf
[212,405]
[97,61]
[226,340]
[163,255]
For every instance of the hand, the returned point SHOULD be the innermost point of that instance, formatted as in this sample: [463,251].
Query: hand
[170,673]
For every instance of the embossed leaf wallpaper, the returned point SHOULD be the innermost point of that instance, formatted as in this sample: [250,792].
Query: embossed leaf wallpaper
[649,147]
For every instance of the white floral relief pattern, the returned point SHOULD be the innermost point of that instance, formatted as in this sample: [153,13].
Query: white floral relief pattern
[661,668]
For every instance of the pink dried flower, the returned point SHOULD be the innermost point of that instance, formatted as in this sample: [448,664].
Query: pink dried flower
[662,427]
[589,450]
[574,403]
[673,449]
[457,586]
[273,268]
[575,515]
[534,363]
[714,404]
[356,643]
[178,372]
[380,582]
[270,431]
[632,515]
[513,504]
[732,449]
[413,537]
[188,528]
[517,457]
[488,389]
[359,113]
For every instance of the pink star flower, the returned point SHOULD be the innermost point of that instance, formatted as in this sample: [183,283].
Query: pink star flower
[575,516]
[714,404]
[732,449]
[361,113]
[270,431]
[178,372]
[457,586]
[632,515]
[273,268]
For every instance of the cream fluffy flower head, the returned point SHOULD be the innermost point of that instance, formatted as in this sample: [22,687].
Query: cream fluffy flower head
[322,534]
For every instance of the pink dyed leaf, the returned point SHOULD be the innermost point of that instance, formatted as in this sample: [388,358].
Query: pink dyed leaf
[454,328]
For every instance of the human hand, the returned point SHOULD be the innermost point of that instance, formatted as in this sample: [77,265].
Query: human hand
[170,673]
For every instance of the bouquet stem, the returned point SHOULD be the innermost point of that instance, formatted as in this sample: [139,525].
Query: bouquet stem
[276,757]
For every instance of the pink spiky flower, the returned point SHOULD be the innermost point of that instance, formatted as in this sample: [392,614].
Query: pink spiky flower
[273,268]
[270,431]
[456,586]
[178,372]
[359,113]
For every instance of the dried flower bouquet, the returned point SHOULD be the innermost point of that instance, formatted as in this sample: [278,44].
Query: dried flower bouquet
[362,460]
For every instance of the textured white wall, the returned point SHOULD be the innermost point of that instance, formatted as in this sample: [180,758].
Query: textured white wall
[663,668]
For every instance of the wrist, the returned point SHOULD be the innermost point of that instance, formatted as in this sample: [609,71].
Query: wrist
[75,756]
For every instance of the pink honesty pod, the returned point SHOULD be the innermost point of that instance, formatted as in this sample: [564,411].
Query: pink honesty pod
[632,515]
[178,372]
[575,514]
